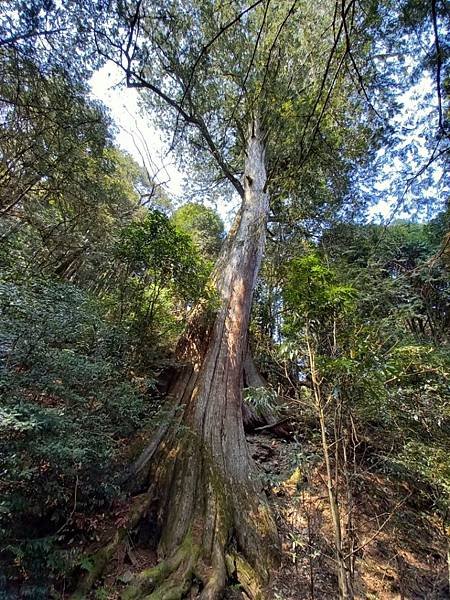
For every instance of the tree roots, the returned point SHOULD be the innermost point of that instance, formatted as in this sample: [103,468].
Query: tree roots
[213,520]
[186,571]
[200,565]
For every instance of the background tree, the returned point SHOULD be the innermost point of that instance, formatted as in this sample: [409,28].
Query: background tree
[355,343]
[204,226]
[73,387]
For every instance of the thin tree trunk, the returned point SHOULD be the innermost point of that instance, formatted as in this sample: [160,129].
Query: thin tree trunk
[344,588]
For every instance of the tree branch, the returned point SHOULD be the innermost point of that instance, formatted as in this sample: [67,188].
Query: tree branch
[25,36]
[137,81]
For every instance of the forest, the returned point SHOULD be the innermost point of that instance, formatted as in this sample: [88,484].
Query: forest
[240,391]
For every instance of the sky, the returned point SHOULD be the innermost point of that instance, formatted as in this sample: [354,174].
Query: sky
[136,134]
[140,138]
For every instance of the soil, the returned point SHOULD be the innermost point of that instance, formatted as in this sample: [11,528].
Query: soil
[399,547]
[400,550]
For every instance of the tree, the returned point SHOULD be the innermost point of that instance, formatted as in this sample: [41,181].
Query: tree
[204,226]
[262,98]
[361,341]
[66,406]
[158,275]
[67,398]
[63,183]
[261,93]
[317,305]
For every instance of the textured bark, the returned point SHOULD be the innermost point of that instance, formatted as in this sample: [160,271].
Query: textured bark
[200,474]
[252,376]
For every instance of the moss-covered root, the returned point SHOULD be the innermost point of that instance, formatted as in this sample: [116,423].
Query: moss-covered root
[174,578]
[170,580]
[214,578]
[102,557]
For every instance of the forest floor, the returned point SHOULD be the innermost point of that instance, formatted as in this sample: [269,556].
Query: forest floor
[399,550]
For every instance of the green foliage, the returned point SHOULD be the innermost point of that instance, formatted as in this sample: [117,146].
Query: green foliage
[416,408]
[313,291]
[262,399]
[65,187]
[69,402]
[55,130]
[153,246]
[66,190]
[204,226]
[66,407]
[373,303]
[161,275]
[94,290]
[278,61]
[430,464]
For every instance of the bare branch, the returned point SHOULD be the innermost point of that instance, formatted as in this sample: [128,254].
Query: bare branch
[26,36]
[206,48]
[280,29]
[352,58]
[324,80]
[138,81]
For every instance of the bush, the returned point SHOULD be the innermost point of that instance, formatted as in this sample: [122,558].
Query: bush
[66,410]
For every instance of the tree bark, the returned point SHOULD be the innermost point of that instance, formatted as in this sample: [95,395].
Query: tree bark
[213,518]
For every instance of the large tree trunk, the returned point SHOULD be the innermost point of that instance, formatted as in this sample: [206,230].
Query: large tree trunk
[214,521]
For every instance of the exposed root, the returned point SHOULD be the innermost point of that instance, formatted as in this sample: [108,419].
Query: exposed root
[171,578]
[202,510]
[214,579]
[203,514]
[186,570]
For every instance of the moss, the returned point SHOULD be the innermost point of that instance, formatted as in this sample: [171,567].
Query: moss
[101,558]
[98,561]
[146,581]
[239,569]
[170,579]
[221,488]
[171,590]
